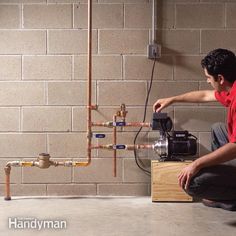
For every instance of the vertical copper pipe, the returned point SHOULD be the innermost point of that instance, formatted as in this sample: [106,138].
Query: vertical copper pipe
[7,183]
[89,82]
[114,143]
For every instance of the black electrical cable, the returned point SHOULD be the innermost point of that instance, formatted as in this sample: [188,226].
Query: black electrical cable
[144,118]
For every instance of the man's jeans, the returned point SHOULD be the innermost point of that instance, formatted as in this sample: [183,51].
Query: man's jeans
[216,182]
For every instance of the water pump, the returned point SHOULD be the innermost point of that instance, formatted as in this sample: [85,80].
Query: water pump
[172,145]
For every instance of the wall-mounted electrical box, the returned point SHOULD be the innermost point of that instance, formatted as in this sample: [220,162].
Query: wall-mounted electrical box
[154,51]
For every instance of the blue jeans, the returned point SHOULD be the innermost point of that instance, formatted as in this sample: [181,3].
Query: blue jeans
[217,182]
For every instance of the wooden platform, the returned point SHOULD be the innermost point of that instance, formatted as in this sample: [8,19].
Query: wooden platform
[165,181]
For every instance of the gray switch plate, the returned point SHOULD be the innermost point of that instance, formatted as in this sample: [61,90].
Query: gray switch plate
[154,51]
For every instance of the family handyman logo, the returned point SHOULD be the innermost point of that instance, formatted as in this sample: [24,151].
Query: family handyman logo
[34,223]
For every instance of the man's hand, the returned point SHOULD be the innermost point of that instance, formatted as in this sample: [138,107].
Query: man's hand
[186,175]
[162,103]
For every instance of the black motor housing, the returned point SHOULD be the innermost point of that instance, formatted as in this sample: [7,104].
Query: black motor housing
[181,143]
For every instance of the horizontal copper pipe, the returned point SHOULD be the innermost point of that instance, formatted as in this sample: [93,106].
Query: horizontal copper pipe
[110,124]
[127,146]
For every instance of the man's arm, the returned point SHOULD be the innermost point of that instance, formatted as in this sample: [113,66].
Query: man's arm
[222,154]
[194,96]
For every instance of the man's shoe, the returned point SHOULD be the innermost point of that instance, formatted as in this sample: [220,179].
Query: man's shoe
[226,205]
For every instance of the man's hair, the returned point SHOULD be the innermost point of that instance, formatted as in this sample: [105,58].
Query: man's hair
[220,62]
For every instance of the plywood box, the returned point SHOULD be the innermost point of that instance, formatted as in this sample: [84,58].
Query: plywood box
[165,185]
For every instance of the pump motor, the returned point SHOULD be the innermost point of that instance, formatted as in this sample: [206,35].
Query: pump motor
[175,145]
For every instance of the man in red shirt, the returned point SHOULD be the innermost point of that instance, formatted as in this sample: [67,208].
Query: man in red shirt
[212,177]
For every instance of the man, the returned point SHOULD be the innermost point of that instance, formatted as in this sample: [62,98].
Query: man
[212,177]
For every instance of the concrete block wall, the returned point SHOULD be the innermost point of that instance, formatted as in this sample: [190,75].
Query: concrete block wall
[43,46]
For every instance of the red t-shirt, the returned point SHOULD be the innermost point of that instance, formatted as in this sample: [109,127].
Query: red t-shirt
[228,99]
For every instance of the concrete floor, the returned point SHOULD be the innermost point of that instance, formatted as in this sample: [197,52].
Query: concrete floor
[120,216]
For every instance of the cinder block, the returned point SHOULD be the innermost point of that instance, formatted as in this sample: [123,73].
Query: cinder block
[104,67]
[123,189]
[47,68]
[68,93]
[200,15]
[168,89]
[194,118]
[99,171]
[15,172]
[123,41]
[230,15]
[123,1]
[171,1]
[23,1]
[70,41]
[215,1]
[67,145]
[10,16]
[79,116]
[138,15]
[51,175]
[179,41]
[165,185]
[71,189]
[22,42]
[133,174]
[204,143]
[47,16]
[188,67]
[42,119]
[70,1]
[9,119]
[165,14]
[22,145]
[104,16]
[22,93]
[212,39]
[116,93]
[26,190]
[10,67]
[140,68]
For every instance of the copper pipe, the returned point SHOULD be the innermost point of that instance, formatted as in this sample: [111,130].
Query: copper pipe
[138,124]
[114,143]
[89,84]
[110,124]
[127,146]
[7,183]
[139,146]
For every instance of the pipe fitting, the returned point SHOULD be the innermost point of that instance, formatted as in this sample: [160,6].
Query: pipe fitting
[7,169]
[43,161]
[123,111]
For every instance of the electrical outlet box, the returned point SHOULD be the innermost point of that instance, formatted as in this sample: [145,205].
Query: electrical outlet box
[154,51]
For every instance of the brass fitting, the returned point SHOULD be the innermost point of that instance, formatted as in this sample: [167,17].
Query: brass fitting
[43,161]
[123,111]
